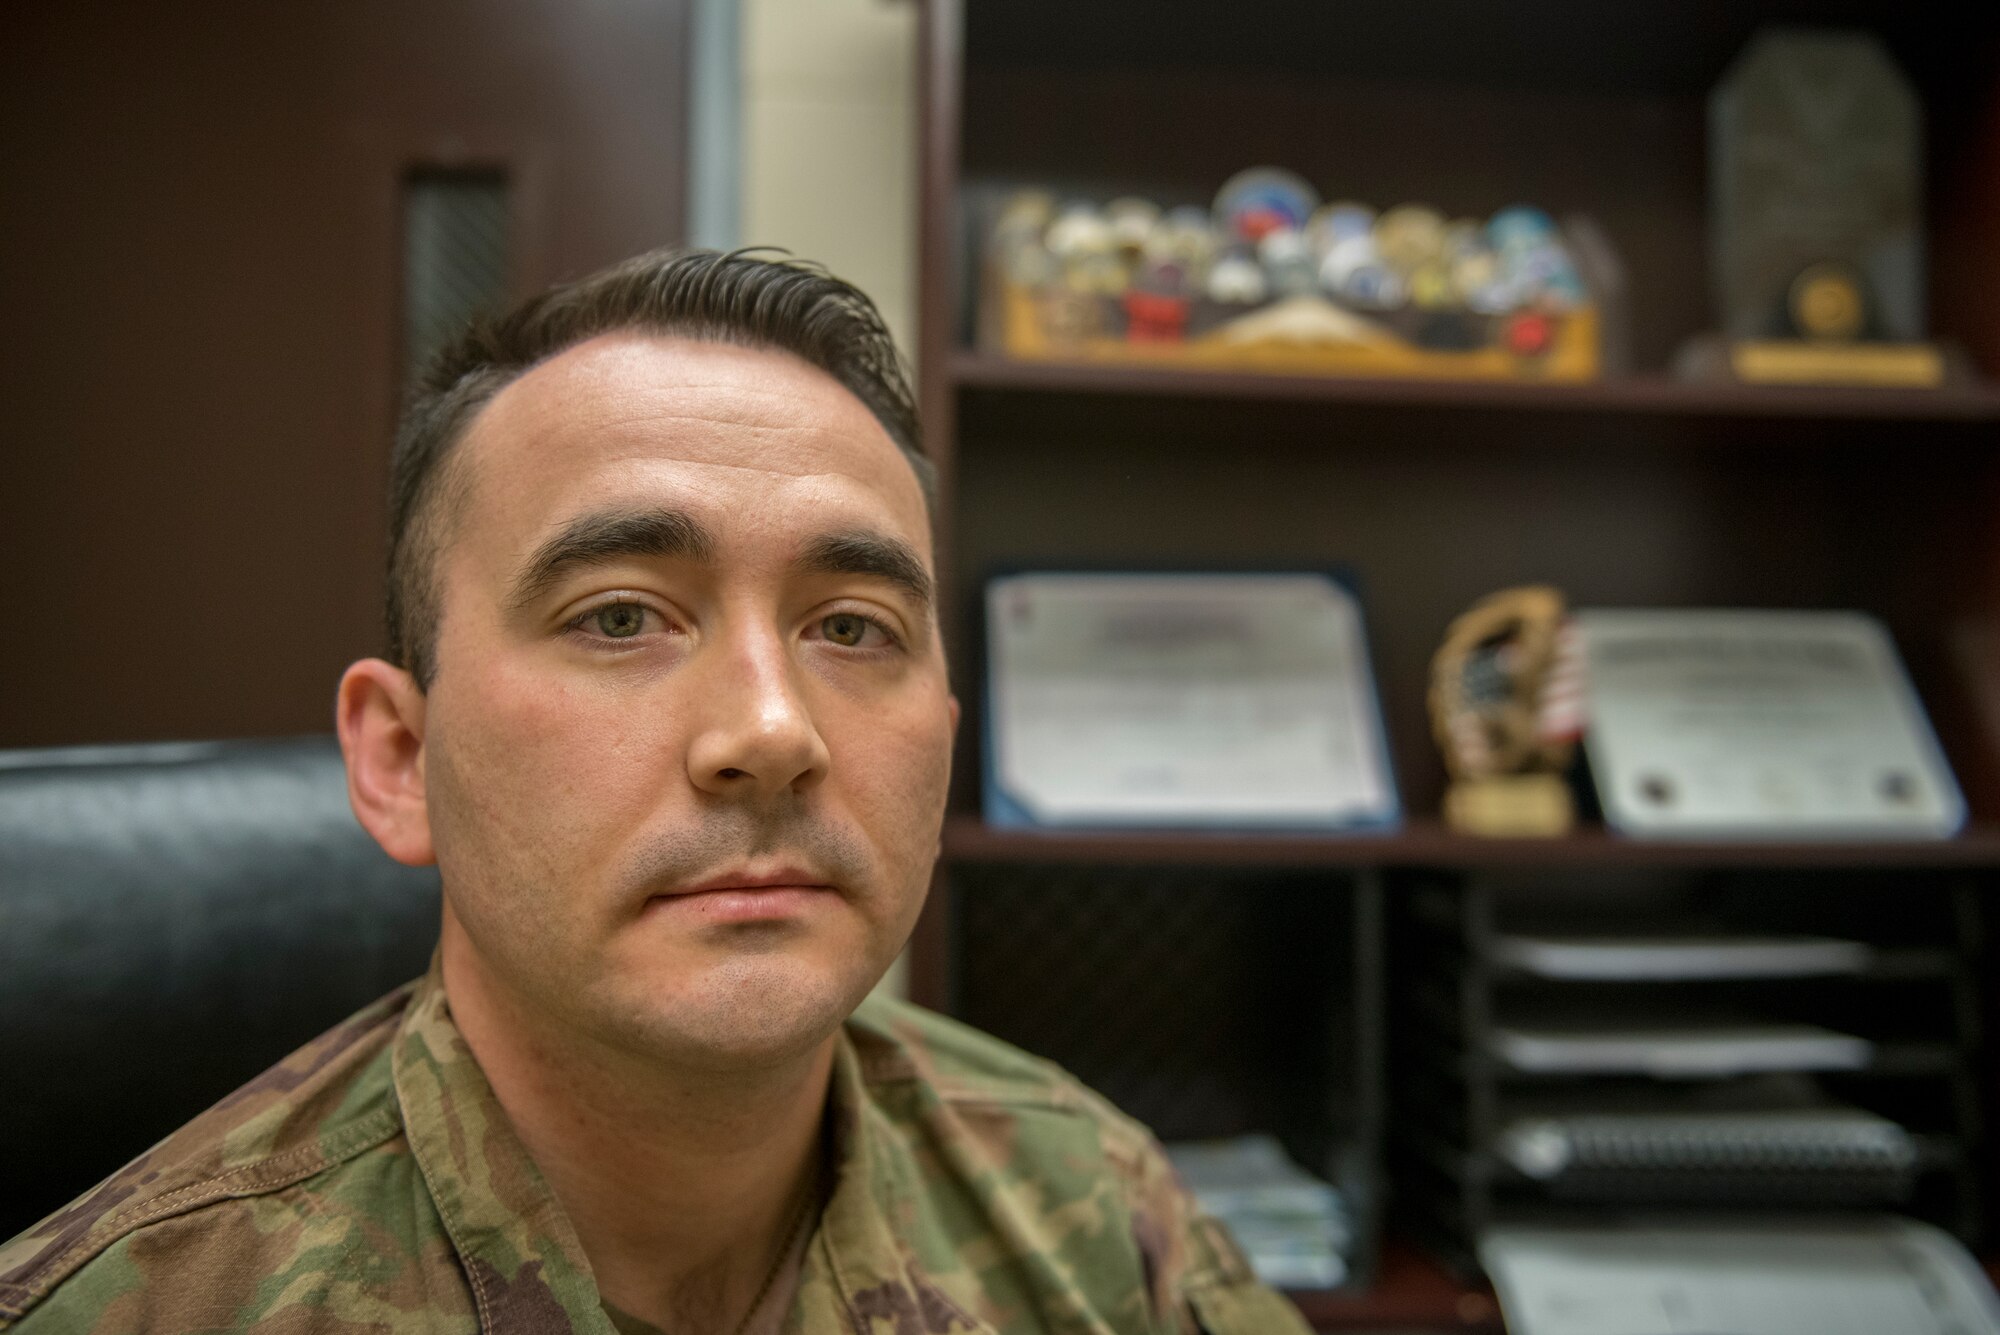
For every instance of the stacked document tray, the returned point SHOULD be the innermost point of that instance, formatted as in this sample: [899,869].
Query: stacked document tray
[1712,1041]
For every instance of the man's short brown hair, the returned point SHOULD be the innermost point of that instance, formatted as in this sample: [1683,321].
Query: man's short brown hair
[738,298]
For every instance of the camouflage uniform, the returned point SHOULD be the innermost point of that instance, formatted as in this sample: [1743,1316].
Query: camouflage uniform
[370,1182]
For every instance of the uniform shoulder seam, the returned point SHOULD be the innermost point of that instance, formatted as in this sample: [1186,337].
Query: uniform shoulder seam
[985,1071]
[1053,1096]
[258,1178]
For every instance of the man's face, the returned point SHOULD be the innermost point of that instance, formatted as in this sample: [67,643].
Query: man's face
[686,752]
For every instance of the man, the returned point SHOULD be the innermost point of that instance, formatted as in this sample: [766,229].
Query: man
[666,703]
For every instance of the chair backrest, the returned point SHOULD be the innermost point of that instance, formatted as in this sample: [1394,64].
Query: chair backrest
[173,919]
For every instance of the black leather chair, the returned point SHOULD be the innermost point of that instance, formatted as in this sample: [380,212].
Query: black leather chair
[173,919]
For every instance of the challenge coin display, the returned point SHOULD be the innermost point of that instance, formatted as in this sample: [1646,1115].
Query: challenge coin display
[1216,700]
[1783,724]
[1269,278]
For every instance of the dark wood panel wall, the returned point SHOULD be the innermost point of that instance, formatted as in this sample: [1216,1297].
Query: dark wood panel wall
[200,260]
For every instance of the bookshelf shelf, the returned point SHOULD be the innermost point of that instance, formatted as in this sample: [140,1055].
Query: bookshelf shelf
[1632,395]
[1431,844]
[1410,1290]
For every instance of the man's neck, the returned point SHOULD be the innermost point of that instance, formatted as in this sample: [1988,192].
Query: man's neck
[683,1187]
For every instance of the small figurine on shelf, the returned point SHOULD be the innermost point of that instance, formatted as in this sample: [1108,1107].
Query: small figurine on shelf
[1155,317]
[1288,262]
[1507,709]
[1132,220]
[1236,279]
[1085,252]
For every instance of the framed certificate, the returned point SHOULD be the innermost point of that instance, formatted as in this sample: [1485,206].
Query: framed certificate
[1760,724]
[1208,700]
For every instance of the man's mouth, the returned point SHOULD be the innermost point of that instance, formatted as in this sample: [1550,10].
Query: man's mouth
[775,878]
[748,895]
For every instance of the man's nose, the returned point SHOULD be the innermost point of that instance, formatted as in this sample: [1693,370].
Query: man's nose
[757,736]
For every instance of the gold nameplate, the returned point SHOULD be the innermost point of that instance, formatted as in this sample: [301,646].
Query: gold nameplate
[1898,365]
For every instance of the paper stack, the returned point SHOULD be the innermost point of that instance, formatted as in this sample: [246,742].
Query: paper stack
[1295,1229]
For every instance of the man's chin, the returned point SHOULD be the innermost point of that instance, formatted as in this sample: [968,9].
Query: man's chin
[743,1012]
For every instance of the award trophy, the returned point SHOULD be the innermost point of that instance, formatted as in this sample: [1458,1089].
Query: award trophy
[1816,217]
[1506,709]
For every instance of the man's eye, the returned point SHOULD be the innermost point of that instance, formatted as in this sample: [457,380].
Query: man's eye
[619,621]
[846,628]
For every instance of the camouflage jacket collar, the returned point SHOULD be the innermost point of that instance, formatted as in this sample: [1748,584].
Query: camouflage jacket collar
[525,1264]
[522,1259]
[860,1253]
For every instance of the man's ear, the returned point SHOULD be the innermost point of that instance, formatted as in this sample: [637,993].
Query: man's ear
[379,712]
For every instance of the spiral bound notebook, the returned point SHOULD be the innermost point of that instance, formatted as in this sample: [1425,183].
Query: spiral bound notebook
[1823,1155]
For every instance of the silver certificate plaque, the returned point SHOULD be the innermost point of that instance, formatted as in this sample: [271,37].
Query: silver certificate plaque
[1760,724]
[1214,700]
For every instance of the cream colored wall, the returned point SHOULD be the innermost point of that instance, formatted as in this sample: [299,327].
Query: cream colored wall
[829,141]
[830,154]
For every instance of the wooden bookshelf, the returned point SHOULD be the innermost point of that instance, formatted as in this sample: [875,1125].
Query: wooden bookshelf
[1637,490]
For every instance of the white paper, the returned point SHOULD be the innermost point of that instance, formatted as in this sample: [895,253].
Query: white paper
[1868,1276]
[1293,1228]
[1773,724]
[1687,1051]
[1687,957]
[1184,699]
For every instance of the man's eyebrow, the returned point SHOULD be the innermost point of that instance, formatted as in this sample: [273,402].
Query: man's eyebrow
[605,536]
[862,552]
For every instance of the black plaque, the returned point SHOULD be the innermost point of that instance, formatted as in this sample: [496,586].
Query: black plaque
[1816,191]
